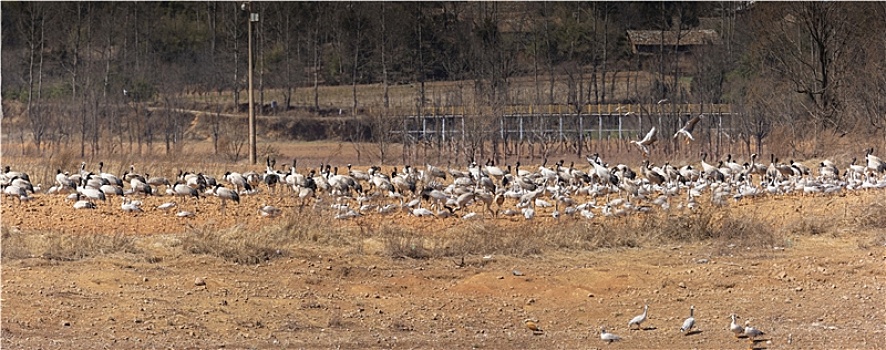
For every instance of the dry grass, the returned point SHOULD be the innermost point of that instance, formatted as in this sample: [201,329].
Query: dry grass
[872,216]
[65,247]
[313,227]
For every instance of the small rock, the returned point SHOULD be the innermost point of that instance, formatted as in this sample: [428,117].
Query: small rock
[199,281]
[590,295]
[702,261]
[681,285]
[66,323]
[517,273]
[798,289]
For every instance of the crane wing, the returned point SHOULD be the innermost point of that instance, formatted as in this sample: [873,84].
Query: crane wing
[690,125]
[650,137]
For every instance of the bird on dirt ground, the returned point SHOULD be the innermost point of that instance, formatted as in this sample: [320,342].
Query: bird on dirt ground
[639,318]
[225,194]
[532,324]
[689,322]
[270,211]
[686,130]
[130,206]
[751,332]
[166,206]
[735,328]
[608,337]
[647,141]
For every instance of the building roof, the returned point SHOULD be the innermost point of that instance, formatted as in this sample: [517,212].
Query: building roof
[687,37]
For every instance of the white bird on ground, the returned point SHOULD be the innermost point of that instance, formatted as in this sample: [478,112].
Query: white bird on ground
[270,211]
[608,337]
[129,206]
[735,328]
[347,214]
[81,204]
[647,141]
[185,214]
[166,206]
[420,212]
[528,213]
[751,332]
[639,318]
[689,322]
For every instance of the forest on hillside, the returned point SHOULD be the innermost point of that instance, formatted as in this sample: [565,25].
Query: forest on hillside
[815,67]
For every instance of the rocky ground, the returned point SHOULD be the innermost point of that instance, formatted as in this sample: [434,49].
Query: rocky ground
[819,290]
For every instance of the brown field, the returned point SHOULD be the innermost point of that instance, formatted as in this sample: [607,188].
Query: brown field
[808,270]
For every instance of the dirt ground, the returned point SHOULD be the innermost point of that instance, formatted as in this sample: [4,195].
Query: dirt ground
[819,291]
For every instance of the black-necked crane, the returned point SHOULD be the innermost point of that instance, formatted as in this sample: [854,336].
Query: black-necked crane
[874,163]
[435,172]
[138,185]
[225,194]
[799,168]
[16,192]
[181,189]
[111,190]
[271,177]
[709,170]
[91,193]
[131,174]
[856,171]
[62,180]
[8,173]
[827,170]
[111,178]
[156,181]
[493,171]
[83,204]
[687,128]
[653,176]
[238,181]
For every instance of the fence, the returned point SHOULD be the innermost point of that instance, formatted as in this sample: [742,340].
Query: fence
[620,125]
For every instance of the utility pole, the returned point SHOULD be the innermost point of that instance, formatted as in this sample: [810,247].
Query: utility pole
[253,17]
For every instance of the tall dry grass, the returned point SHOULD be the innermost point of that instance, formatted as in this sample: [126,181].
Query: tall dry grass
[303,232]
